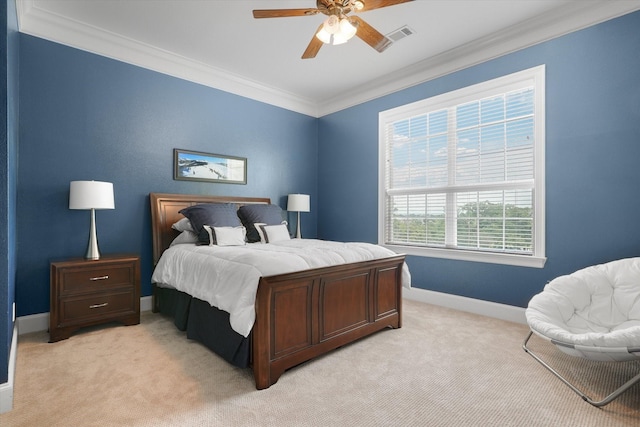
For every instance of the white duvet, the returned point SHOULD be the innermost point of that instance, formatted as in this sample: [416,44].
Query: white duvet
[227,277]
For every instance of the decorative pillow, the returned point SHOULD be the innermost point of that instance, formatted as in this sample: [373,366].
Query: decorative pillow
[275,233]
[259,213]
[226,236]
[212,214]
[185,237]
[258,227]
[183,225]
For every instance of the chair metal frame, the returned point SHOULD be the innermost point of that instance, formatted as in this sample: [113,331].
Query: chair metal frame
[609,398]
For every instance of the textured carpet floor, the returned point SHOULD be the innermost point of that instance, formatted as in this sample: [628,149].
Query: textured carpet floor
[442,368]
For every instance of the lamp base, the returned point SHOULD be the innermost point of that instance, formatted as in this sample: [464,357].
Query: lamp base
[298,227]
[92,248]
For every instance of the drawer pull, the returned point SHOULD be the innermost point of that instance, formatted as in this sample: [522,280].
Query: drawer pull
[99,278]
[104,304]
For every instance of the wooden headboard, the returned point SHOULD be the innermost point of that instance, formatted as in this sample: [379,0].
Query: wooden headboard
[165,210]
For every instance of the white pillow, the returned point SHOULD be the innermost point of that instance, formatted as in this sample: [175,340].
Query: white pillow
[226,236]
[183,225]
[275,233]
[185,237]
[258,226]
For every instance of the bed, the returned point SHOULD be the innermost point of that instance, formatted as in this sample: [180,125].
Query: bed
[298,315]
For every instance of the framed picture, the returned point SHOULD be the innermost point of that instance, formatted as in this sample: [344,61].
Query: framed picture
[197,166]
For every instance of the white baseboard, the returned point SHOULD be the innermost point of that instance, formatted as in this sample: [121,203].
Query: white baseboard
[471,305]
[6,389]
[40,322]
[146,303]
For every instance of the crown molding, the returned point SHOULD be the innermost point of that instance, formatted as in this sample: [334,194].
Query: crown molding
[60,29]
[571,17]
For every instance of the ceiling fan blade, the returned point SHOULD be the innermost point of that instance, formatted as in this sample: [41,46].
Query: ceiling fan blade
[377,4]
[283,13]
[370,35]
[314,46]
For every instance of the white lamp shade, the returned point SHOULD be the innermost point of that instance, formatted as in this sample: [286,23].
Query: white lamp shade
[91,195]
[298,203]
[336,31]
[347,29]
[338,38]
[324,36]
[331,24]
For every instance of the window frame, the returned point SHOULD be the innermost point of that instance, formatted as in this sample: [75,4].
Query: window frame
[531,77]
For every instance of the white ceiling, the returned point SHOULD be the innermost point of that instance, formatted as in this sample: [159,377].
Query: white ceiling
[218,43]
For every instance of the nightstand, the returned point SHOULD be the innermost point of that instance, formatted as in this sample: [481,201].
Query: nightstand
[90,292]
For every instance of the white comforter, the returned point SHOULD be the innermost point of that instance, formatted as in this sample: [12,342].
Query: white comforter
[227,277]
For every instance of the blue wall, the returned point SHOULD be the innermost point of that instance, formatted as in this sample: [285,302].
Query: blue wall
[592,162]
[8,154]
[85,117]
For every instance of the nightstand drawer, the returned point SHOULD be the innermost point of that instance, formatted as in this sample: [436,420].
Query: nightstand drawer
[106,277]
[95,306]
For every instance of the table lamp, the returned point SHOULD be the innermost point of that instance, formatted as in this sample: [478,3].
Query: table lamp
[298,203]
[91,195]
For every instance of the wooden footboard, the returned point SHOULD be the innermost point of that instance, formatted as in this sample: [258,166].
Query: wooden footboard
[300,316]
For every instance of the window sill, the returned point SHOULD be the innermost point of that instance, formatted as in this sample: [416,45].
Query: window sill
[486,257]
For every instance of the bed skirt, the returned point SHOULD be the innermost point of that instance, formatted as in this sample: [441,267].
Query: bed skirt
[205,324]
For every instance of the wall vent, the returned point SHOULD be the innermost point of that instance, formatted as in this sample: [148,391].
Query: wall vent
[400,33]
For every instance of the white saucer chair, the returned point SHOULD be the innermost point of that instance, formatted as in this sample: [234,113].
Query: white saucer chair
[593,313]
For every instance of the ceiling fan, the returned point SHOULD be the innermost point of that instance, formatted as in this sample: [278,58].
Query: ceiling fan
[339,26]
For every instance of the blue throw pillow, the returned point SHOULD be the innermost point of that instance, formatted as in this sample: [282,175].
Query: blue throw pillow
[212,214]
[259,213]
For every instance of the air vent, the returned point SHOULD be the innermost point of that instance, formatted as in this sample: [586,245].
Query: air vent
[400,33]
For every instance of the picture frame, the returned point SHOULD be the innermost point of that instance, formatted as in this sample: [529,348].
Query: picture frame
[208,167]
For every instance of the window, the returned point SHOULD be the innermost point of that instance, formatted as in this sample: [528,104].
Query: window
[462,174]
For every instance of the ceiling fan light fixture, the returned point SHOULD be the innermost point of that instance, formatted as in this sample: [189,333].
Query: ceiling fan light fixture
[339,38]
[324,36]
[338,27]
[336,31]
[347,29]
[332,24]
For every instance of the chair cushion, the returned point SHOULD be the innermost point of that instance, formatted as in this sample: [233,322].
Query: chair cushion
[596,306]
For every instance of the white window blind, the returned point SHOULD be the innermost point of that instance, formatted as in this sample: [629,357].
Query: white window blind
[462,174]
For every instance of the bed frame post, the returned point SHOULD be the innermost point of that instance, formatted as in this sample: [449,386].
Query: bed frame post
[260,339]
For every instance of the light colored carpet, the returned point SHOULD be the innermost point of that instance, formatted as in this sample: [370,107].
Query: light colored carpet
[442,368]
